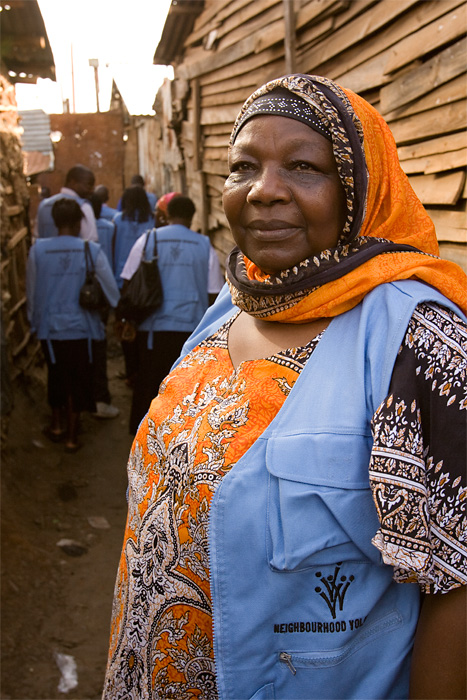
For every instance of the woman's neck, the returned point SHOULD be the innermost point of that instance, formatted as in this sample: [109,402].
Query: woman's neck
[253,338]
[66,231]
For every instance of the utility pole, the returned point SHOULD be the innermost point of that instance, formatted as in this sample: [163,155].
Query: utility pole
[94,63]
[73,80]
[289,39]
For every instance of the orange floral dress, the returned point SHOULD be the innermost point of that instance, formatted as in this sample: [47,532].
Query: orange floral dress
[161,636]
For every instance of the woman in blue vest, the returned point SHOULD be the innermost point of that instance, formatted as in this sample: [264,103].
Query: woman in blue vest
[134,219]
[296,525]
[56,272]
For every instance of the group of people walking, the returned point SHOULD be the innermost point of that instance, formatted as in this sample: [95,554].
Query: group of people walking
[74,338]
[296,493]
[297,490]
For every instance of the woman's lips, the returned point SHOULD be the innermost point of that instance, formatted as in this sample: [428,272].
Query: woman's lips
[273,230]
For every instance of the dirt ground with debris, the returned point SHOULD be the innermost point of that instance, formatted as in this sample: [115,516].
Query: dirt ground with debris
[56,601]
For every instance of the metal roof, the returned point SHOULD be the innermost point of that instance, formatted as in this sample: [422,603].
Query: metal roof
[36,125]
[178,25]
[36,143]
[25,49]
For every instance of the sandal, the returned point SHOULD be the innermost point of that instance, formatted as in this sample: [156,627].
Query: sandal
[74,447]
[53,435]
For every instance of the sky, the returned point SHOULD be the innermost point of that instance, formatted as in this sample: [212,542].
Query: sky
[121,34]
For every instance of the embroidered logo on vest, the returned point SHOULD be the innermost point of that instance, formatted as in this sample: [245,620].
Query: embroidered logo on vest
[334,589]
[176,250]
[65,261]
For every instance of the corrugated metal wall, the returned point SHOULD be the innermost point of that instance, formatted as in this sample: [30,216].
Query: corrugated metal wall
[36,131]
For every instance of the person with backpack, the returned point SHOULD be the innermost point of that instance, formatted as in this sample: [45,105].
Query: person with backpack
[191,278]
[56,272]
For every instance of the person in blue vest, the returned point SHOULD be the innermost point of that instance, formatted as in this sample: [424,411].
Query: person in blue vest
[102,192]
[152,198]
[105,229]
[161,216]
[56,271]
[191,279]
[139,181]
[79,184]
[134,219]
[106,236]
[297,490]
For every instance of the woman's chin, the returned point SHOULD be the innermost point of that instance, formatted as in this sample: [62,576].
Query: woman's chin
[274,268]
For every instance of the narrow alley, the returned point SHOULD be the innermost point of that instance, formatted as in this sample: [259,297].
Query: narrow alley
[57,598]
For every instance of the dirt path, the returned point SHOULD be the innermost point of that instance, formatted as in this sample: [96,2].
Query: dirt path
[54,602]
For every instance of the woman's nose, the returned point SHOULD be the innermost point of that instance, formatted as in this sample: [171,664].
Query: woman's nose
[268,186]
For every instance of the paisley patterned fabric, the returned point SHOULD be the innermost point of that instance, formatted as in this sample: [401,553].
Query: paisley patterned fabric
[418,466]
[161,637]
[388,235]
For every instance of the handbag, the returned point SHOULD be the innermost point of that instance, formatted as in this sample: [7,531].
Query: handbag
[91,296]
[143,293]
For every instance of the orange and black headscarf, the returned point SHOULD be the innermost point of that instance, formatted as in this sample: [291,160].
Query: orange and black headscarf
[387,236]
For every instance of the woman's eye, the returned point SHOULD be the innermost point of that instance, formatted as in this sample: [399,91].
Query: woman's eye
[240,167]
[303,166]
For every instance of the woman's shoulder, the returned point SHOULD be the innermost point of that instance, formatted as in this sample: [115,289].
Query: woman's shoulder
[419,445]
[435,344]
[390,293]
[432,359]
[433,320]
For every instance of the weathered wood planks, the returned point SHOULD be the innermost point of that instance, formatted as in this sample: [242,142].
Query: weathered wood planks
[407,57]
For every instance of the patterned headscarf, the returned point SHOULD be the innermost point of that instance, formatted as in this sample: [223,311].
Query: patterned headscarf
[387,235]
[282,103]
[163,202]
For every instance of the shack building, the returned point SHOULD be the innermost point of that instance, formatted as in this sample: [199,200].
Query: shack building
[25,56]
[407,58]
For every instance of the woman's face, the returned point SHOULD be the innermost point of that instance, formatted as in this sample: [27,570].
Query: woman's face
[283,199]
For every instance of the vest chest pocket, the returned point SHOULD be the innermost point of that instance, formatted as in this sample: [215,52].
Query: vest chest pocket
[320,508]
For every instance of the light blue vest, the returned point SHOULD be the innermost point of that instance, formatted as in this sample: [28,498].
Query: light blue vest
[105,234]
[184,268]
[126,234]
[107,212]
[152,199]
[303,605]
[45,224]
[60,272]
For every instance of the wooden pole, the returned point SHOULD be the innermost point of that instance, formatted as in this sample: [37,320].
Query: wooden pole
[289,38]
[96,81]
[198,153]
[73,80]
[196,94]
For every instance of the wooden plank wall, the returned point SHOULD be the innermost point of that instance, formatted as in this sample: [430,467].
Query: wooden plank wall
[22,348]
[407,57]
